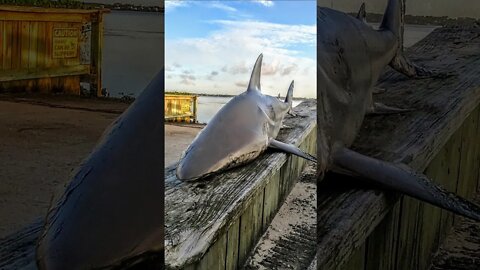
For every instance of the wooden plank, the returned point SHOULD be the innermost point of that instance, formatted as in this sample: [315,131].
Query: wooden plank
[41,73]
[24,44]
[41,44]
[42,17]
[357,261]
[2,38]
[49,45]
[381,245]
[7,45]
[41,10]
[441,106]
[272,199]
[16,56]
[97,53]
[216,256]
[17,251]
[232,246]
[198,212]
[34,40]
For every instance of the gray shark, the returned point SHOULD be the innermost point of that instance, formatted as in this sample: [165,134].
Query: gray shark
[244,128]
[111,214]
[350,58]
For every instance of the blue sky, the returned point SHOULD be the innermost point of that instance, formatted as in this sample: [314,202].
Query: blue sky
[211,46]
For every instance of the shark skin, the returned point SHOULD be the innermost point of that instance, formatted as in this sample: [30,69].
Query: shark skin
[243,129]
[350,58]
[108,217]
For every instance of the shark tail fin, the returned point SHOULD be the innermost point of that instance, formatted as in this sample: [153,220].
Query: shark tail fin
[362,13]
[403,179]
[254,83]
[289,97]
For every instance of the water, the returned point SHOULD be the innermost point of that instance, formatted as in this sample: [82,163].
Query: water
[209,106]
[132,52]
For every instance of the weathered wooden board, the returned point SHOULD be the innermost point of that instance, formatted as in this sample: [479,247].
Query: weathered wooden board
[17,251]
[237,204]
[434,138]
[41,49]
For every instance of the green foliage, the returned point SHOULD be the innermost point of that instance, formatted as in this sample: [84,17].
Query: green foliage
[45,3]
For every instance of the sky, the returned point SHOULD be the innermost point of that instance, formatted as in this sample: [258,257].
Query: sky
[211,46]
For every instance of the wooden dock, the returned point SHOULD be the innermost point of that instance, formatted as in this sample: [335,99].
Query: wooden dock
[214,224]
[361,228]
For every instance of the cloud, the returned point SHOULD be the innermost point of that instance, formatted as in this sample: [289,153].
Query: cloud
[241,84]
[172,4]
[233,49]
[212,74]
[239,68]
[222,6]
[267,3]
[187,79]
[289,69]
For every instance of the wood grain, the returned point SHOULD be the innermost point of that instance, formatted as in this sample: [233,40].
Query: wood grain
[27,60]
[426,139]
[232,203]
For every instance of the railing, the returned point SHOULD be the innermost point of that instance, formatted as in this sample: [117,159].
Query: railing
[361,228]
[215,223]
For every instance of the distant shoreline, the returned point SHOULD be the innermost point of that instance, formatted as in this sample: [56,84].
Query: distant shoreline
[128,7]
[217,95]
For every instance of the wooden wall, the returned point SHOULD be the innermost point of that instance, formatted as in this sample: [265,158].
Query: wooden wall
[48,50]
[410,234]
[181,108]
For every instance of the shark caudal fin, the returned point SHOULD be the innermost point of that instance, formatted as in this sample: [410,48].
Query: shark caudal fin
[362,13]
[403,179]
[289,97]
[254,83]
[291,149]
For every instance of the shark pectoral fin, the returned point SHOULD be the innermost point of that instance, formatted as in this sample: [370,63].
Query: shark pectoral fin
[378,90]
[408,68]
[291,149]
[401,178]
[380,108]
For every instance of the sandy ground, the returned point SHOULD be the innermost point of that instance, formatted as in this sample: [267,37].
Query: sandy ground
[44,138]
[177,139]
[39,147]
[293,230]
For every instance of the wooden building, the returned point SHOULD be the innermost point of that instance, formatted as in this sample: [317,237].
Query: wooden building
[181,108]
[50,50]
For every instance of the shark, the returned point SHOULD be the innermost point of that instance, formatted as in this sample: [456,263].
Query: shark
[351,56]
[111,213]
[239,132]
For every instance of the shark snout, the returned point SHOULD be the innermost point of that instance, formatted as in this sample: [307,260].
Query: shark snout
[189,171]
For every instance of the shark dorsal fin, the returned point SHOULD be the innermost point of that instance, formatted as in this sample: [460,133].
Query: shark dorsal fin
[362,13]
[254,83]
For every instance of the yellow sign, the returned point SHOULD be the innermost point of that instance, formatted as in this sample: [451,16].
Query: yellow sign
[65,42]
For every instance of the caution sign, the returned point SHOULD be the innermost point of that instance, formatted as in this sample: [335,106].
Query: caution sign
[65,42]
